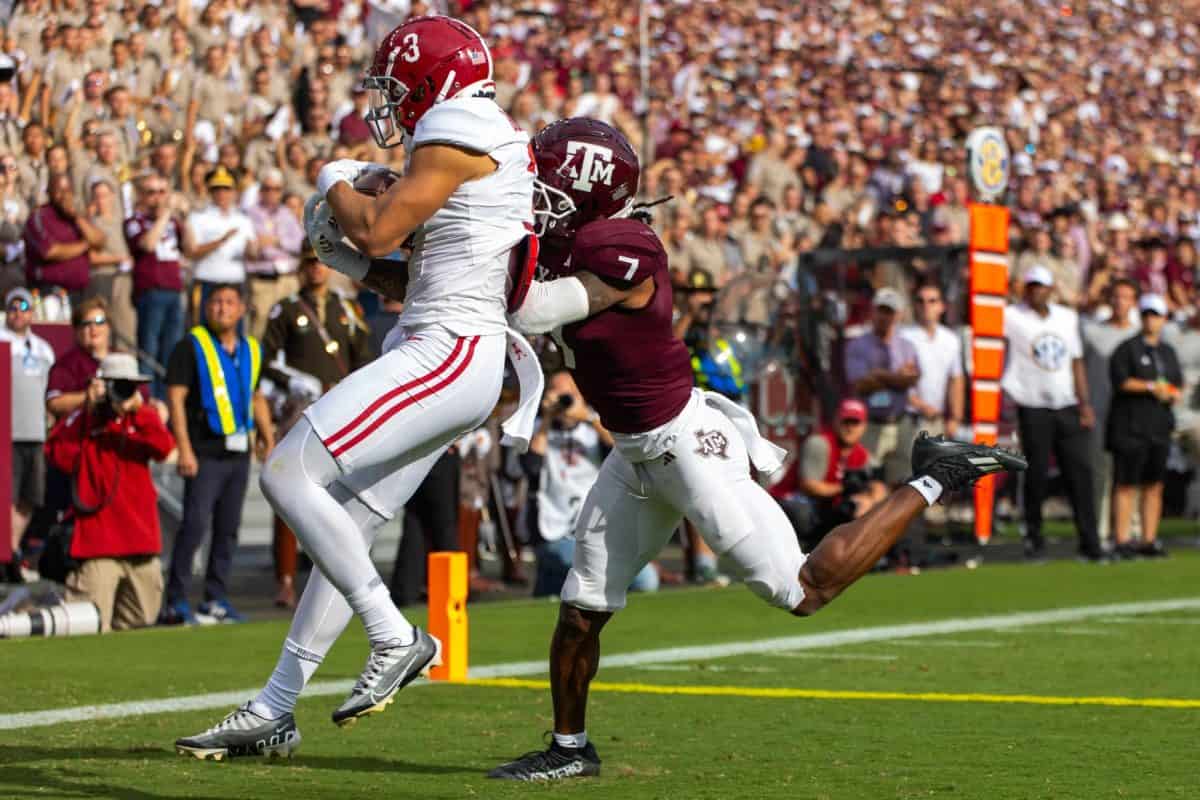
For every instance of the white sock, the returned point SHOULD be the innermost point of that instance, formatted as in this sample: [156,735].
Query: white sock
[383,621]
[929,488]
[292,673]
[573,741]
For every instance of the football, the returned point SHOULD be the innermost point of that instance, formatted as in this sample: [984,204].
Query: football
[375,182]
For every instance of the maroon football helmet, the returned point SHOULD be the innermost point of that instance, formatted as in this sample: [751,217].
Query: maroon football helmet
[419,64]
[586,170]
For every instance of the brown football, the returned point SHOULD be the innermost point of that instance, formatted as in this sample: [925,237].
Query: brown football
[375,182]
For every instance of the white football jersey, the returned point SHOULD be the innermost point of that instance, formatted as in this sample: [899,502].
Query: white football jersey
[458,271]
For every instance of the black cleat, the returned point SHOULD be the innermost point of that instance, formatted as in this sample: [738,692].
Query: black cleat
[957,465]
[552,764]
[1035,549]
[1153,549]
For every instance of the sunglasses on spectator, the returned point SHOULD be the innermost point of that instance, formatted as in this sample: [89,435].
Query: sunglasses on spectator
[18,305]
[95,321]
[852,421]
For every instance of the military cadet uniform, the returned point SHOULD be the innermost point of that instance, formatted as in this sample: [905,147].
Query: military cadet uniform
[328,341]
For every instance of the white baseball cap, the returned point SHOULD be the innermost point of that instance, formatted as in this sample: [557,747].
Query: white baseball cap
[888,298]
[1153,303]
[1040,275]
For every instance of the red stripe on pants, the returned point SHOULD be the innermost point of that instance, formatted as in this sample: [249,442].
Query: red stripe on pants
[408,401]
[392,393]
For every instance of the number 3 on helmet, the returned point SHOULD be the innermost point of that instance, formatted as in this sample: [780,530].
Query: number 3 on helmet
[418,65]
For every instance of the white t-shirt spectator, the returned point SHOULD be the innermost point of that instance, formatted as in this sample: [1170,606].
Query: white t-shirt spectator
[1040,351]
[572,464]
[32,358]
[939,358]
[226,264]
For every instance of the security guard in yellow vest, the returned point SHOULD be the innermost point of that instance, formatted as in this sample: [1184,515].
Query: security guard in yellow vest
[218,417]
[322,335]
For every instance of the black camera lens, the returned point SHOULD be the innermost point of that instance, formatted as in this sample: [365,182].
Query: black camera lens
[120,390]
[565,401]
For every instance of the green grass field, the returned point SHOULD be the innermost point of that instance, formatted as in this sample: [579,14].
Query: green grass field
[726,739]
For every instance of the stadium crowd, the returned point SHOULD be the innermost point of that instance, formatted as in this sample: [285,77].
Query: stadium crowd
[154,153]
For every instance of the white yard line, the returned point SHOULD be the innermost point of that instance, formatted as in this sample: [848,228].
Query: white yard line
[836,656]
[810,641]
[954,643]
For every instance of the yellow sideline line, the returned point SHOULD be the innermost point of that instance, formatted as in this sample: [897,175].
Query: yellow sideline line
[837,694]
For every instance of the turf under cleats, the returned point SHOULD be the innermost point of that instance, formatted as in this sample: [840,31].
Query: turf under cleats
[552,764]
[244,733]
[390,667]
[957,465]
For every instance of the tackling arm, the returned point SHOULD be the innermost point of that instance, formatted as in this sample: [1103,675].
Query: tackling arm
[552,304]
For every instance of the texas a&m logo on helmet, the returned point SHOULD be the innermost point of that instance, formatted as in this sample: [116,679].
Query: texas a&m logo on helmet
[588,164]
[586,170]
[418,65]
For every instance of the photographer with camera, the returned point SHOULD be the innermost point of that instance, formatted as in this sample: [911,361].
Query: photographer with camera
[106,446]
[563,462]
[835,472]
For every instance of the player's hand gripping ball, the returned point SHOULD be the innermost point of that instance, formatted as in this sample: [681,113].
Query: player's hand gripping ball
[375,181]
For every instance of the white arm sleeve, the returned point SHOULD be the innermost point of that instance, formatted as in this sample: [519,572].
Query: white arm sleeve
[551,304]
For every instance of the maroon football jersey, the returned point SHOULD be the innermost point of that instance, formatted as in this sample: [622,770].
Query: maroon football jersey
[627,362]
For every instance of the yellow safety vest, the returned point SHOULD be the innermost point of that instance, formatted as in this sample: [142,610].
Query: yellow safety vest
[214,385]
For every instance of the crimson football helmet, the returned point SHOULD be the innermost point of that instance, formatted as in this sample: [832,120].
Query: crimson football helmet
[419,64]
[586,170]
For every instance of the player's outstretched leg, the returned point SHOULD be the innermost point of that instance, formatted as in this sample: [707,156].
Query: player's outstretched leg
[851,550]
[574,659]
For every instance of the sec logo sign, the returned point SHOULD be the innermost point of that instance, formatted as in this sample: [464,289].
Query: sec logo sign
[988,162]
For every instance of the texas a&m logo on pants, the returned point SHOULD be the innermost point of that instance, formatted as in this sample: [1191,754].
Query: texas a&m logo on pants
[712,443]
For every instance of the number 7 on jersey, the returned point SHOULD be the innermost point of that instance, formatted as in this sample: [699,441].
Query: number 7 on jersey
[633,265]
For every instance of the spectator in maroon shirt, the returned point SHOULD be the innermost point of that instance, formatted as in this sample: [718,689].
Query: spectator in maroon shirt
[57,240]
[72,379]
[1181,274]
[156,240]
[352,130]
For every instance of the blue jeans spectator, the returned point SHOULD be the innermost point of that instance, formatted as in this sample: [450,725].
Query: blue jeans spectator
[554,561]
[160,327]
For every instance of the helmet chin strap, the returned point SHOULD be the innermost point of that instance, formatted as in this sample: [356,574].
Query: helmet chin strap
[445,86]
